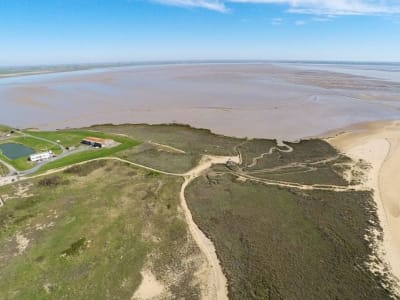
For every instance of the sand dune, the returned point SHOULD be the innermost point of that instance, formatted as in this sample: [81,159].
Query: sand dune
[379,144]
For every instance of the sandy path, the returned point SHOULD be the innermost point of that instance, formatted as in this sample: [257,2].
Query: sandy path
[217,283]
[379,144]
[173,149]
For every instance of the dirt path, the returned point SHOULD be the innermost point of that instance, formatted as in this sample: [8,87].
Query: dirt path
[172,149]
[322,187]
[217,283]
[270,151]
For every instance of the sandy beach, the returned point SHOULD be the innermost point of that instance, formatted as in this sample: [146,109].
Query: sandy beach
[378,143]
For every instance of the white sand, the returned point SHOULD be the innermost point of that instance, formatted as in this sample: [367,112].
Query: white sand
[150,288]
[379,144]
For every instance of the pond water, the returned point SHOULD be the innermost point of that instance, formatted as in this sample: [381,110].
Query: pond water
[14,150]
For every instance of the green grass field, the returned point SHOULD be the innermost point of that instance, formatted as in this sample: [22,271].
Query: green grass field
[68,137]
[4,129]
[125,143]
[22,163]
[90,232]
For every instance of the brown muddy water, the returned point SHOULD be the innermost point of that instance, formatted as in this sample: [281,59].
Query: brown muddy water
[254,100]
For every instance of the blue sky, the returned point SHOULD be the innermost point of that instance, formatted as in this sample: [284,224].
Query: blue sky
[78,31]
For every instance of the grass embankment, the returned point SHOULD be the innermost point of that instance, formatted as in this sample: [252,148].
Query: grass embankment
[89,231]
[277,243]
[37,145]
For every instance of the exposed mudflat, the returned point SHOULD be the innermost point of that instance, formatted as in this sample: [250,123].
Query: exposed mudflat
[255,100]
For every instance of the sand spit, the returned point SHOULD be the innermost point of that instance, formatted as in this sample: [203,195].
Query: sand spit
[378,143]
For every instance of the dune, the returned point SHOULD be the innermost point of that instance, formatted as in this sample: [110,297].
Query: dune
[378,143]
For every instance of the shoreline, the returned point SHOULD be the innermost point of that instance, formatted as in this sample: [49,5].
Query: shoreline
[378,143]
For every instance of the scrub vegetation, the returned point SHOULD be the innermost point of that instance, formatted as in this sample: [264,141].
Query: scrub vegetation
[89,234]
[278,243]
[3,170]
[288,222]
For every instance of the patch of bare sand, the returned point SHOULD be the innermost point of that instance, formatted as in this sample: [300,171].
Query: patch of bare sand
[22,243]
[150,288]
[379,144]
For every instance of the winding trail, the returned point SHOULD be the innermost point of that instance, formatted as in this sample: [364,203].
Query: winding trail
[279,145]
[217,282]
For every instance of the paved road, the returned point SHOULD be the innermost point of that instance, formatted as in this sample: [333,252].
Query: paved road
[13,172]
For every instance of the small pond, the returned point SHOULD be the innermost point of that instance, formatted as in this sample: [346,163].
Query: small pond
[14,150]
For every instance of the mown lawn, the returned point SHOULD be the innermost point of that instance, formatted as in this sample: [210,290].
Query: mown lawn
[22,163]
[125,143]
[68,137]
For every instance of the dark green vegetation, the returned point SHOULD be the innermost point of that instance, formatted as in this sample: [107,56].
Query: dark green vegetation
[94,227]
[193,142]
[310,162]
[277,243]
[3,170]
[88,232]
[161,158]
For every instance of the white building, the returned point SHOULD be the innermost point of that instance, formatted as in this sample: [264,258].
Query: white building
[41,156]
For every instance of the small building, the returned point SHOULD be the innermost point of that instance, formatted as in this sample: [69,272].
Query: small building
[41,156]
[97,142]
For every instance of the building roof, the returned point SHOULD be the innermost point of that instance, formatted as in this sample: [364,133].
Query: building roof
[94,140]
[41,153]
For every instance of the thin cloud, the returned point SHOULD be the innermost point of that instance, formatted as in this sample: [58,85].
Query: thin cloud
[206,4]
[277,21]
[313,7]
[300,23]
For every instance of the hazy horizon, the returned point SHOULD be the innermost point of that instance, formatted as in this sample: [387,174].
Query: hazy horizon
[82,32]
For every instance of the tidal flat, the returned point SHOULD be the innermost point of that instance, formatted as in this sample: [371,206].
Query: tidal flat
[244,100]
